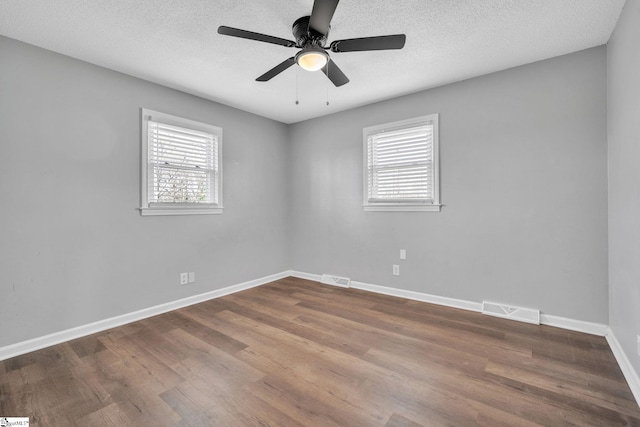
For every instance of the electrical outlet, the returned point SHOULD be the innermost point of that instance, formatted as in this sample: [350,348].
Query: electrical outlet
[184,278]
[396,270]
[403,254]
[638,338]
[192,277]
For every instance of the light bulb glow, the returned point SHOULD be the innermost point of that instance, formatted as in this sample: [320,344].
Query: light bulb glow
[312,60]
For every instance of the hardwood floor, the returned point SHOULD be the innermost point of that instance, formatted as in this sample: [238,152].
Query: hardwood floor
[297,353]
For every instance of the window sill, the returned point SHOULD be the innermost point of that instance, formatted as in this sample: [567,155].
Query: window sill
[402,208]
[179,211]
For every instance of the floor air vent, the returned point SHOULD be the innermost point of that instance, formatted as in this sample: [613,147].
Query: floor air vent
[527,315]
[328,279]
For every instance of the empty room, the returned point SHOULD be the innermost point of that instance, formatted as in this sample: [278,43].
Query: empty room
[320,213]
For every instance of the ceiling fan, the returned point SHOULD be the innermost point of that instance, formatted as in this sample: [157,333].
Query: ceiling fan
[311,34]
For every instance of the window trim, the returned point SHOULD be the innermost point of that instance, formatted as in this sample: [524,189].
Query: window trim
[398,206]
[147,209]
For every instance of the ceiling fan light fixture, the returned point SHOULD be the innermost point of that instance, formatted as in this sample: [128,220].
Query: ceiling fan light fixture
[312,58]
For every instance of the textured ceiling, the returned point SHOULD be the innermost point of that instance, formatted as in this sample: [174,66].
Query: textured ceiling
[175,43]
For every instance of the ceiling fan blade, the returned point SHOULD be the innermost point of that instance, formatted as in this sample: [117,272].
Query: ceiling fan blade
[335,74]
[244,34]
[321,15]
[276,70]
[395,41]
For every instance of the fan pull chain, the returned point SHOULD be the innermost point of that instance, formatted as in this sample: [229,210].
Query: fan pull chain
[297,71]
[327,80]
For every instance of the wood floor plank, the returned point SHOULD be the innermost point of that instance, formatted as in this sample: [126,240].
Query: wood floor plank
[211,336]
[139,367]
[109,416]
[297,353]
[463,340]
[256,412]
[198,406]
[348,373]
[439,355]
[474,390]
[333,385]
[398,420]
[300,401]
[566,387]
[87,345]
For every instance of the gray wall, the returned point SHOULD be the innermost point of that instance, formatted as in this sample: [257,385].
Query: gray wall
[523,161]
[523,181]
[623,71]
[73,247]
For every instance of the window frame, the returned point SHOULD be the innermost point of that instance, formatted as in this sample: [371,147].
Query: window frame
[403,206]
[148,208]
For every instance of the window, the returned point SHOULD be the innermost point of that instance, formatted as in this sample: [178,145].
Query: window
[181,166]
[401,166]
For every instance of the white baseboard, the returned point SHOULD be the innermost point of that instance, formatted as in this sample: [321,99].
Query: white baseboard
[306,276]
[419,296]
[402,293]
[628,371]
[23,347]
[574,325]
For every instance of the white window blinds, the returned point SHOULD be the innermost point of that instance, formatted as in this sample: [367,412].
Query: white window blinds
[181,169]
[182,165]
[401,163]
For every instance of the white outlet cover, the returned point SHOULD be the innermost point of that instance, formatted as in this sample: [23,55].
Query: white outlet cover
[192,277]
[403,254]
[184,278]
[396,270]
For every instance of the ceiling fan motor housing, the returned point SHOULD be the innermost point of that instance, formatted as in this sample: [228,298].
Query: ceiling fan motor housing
[306,36]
